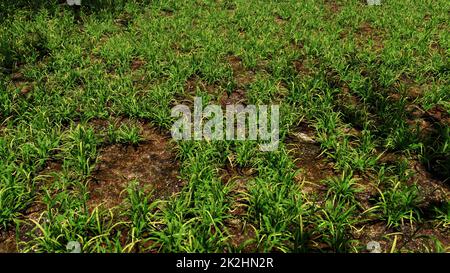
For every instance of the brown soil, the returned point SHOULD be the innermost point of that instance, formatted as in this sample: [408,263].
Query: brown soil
[192,84]
[409,239]
[439,114]
[333,6]
[137,63]
[307,156]
[20,82]
[431,190]
[427,119]
[151,162]
[236,97]
[280,20]
[7,242]
[240,73]
[367,191]
[238,228]
[167,12]
[124,19]
[367,32]
[302,67]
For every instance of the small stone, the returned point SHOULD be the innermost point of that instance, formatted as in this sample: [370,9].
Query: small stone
[374,247]
[304,137]
[374,2]
[73,247]
[74,2]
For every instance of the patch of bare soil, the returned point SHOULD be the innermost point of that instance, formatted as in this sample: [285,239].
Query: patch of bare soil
[124,19]
[367,190]
[302,67]
[167,12]
[240,231]
[438,114]
[306,153]
[151,162]
[431,190]
[280,20]
[409,239]
[427,120]
[333,6]
[236,97]
[413,90]
[242,77]
[137,63]
[372,232]
[193,84]
[421,238]
[435,46]
[240,73]
[367,32]
[21,83]
[8,242]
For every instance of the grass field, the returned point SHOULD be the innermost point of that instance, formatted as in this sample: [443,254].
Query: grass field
[86,153]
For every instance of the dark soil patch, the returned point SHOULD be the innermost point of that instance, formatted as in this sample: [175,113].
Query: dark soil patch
[193,85]
[333,6]
[236,97]
[238,227]
[280,20]
[410,239]
[151,162]
[436,47]
[372,232]
[306,154]
[21,83]
[420,238]
[413,90]
[302,67]
[8,242]
[124,20]
[167,12]
[431,126]
[431,190]
[367,190]
[137,63]
[438,114]
[194,82]
[367,32]
[241,75]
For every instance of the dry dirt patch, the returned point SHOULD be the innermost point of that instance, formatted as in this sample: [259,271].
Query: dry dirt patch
[240,73]
[333,6]
[7,242]
[151,162]
[367,32]
[193,84]
[137,63]
[242,77]
[409,239]
[237,225]
[307,157]
[236,97]
[302,66]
